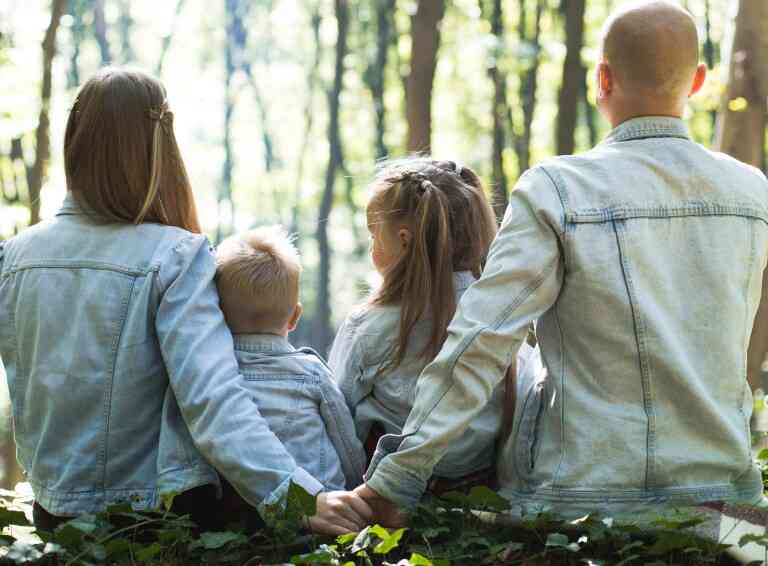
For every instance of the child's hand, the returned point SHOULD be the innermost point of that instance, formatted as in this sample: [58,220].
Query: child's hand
[385,512]
[340,512]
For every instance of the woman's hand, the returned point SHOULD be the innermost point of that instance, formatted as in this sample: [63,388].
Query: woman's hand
[385,512]
[340,512]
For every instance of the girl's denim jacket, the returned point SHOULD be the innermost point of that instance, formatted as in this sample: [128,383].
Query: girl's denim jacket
[361,347]
[642,261]
[122,371]
[297,396]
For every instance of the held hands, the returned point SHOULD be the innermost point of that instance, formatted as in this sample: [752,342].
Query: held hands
[385,513]
[341,512]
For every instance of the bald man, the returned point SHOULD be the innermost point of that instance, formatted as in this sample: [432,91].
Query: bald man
[641,262]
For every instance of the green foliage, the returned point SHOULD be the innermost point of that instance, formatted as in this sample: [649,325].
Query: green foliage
[453,529]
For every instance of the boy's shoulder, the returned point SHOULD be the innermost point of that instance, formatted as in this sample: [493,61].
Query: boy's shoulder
[297,363]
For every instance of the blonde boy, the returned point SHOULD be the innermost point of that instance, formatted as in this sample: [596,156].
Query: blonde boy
[258,276]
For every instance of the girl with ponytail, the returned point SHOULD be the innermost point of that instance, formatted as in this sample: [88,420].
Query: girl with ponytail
[431,227]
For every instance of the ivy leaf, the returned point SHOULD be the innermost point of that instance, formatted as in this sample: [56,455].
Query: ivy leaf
[485,498]
[167,499]
[419,560]
[85,523]
[762,540]
[11,517]
[149,552]
[323,555]
[214,540]
[68,536]
[346,539]
[117,547]
[388,543]
[763,454]
[98,552]
[300,503]
[22,552]
[557,540]
[53,548]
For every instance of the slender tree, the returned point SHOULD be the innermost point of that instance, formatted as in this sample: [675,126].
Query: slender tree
[376,71]
[425,42]
[165,43]
[312,80]
[323,318]
[100,31]
[741,130]
[499,107]
[529,81]
[39,169]
[573,76]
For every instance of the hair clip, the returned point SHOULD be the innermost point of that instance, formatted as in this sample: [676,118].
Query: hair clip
[159,113]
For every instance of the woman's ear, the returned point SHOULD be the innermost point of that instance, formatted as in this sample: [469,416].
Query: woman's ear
[405,237]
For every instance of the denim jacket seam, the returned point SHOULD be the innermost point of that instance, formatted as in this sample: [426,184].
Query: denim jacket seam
[644,364]
[506,313]
[67,264]
[747,333]
[108,396]
[563,389]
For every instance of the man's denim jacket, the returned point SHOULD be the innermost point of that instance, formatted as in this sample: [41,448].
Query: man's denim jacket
[642,261]
[303,406]
[361,347]
[118,357]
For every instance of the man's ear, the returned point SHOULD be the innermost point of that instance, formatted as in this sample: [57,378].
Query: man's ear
[698,79]
[295,317]
[604,77]
[405,237]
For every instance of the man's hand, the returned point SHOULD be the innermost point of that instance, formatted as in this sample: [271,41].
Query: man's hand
[340,512]
[385,513]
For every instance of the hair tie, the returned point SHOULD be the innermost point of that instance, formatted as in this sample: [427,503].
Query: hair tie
[161,112]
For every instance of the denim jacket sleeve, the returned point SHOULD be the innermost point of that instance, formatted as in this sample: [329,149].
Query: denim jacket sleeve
[341,430]
[198,351]
[347,360]
[521,281]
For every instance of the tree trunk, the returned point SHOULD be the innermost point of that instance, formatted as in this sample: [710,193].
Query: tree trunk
[100,29]
[226,203]
[741,131]
[39,169]
[76,9]
[425,42]
[375,73]
[529,80]
[312,79]
[323,318]
[499,109]
[168,38]
[124,26]
[573,77]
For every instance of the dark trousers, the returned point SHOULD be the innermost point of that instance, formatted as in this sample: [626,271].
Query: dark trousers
[201,504]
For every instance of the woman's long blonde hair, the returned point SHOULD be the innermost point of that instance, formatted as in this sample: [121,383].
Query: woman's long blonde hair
[452,225]
[121,159]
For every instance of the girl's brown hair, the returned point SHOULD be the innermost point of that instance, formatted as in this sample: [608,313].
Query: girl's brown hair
[452,224]
[121,159]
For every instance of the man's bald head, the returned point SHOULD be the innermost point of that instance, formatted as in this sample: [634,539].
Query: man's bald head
[652,49]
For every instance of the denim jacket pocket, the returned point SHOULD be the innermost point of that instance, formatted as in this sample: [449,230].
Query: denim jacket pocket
[526,441]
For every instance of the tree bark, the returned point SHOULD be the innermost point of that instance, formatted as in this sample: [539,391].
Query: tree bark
[39,170]
[425,42]
[100,30]
[323,334]
[529,80]
[573,77]
[225,201]
[499,109]
[375,73]
[741,131]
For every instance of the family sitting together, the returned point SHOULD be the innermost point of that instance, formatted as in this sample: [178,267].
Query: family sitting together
[142,363]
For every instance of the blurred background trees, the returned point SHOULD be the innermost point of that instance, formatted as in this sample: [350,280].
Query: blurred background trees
[283,107]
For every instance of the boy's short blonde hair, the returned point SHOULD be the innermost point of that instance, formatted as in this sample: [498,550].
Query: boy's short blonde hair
[258,279]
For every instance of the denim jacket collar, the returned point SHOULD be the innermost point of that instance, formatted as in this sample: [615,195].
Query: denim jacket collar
[263,343]
[70,205]
[648,127]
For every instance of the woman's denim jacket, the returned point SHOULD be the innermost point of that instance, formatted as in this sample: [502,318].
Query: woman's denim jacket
[361,347]
[297,396]
[642,261]
[116,350]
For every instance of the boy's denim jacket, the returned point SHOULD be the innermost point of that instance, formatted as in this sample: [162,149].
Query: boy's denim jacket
[361,347]
[116,350]
[303,406]
[642,261]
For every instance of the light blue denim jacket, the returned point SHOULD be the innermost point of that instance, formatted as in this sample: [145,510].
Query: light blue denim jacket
[361,347]
[642,261]
[116,350]
[296,395]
